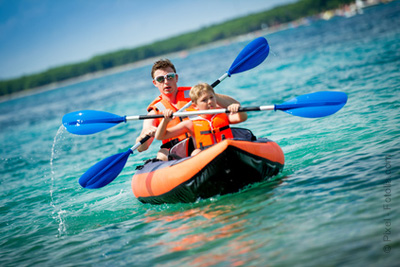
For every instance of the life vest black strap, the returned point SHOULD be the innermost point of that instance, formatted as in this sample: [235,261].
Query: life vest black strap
[170,144]
[204,147]
[215,130]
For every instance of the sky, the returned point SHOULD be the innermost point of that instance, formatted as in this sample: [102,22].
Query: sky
[36,35]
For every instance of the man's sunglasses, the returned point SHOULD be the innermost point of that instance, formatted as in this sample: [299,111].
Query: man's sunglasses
[168,76]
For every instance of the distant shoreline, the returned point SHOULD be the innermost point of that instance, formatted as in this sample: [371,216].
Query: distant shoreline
[71,81]
[130,66]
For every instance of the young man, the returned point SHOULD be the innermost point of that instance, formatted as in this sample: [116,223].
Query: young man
[206,129]
[171,97]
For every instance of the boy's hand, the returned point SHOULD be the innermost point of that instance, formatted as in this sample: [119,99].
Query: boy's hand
[233,108]
[168,115]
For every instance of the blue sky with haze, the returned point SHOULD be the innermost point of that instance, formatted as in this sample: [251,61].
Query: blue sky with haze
[39,34]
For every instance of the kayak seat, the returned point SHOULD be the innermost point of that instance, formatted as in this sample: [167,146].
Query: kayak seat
[243,134]
[182,149]
[185,147]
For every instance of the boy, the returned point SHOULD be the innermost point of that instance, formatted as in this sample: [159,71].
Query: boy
[172,97]
[206,129]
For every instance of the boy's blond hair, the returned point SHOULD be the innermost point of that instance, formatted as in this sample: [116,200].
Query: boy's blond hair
[198,90]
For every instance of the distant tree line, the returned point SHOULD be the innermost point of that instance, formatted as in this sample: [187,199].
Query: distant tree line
[250,23]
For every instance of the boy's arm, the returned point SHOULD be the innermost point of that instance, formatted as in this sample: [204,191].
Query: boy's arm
[166,133]
[235,116]
[161,129]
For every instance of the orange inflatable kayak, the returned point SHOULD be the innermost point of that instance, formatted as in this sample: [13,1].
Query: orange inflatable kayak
[223,168]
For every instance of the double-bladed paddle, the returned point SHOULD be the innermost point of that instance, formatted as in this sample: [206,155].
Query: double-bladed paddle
[86,122]
[314,105]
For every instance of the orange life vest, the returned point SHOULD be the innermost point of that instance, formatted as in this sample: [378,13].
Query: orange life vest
[209,132]
[159,105]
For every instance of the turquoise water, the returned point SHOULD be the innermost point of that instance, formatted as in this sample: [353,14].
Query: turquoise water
[329,206]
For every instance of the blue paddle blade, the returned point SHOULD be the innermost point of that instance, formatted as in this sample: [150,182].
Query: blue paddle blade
[86,122]
[251,56]
[314,105]
[105,171]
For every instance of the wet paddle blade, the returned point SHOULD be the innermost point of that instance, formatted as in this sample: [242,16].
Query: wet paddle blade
[86,122]
[105,171]
[314,105]
[251,56]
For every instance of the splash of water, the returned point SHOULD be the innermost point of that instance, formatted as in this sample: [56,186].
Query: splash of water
[58,212]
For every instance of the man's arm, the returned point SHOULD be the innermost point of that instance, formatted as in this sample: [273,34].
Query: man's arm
[149,128]
[224,101]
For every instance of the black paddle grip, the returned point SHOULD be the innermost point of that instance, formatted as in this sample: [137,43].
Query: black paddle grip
[215,83]
[147,137]
[244,109]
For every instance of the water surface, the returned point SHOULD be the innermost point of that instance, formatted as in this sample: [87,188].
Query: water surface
[335,203]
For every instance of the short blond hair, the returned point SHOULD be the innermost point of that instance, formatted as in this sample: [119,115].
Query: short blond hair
[199,89]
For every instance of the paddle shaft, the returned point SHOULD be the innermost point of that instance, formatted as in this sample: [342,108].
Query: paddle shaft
[223,77]
[283,107]
[141,142]
[199,112]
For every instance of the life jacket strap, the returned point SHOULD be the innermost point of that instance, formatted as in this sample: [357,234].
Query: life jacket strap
[204,147]
[170,143]
[215,130]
